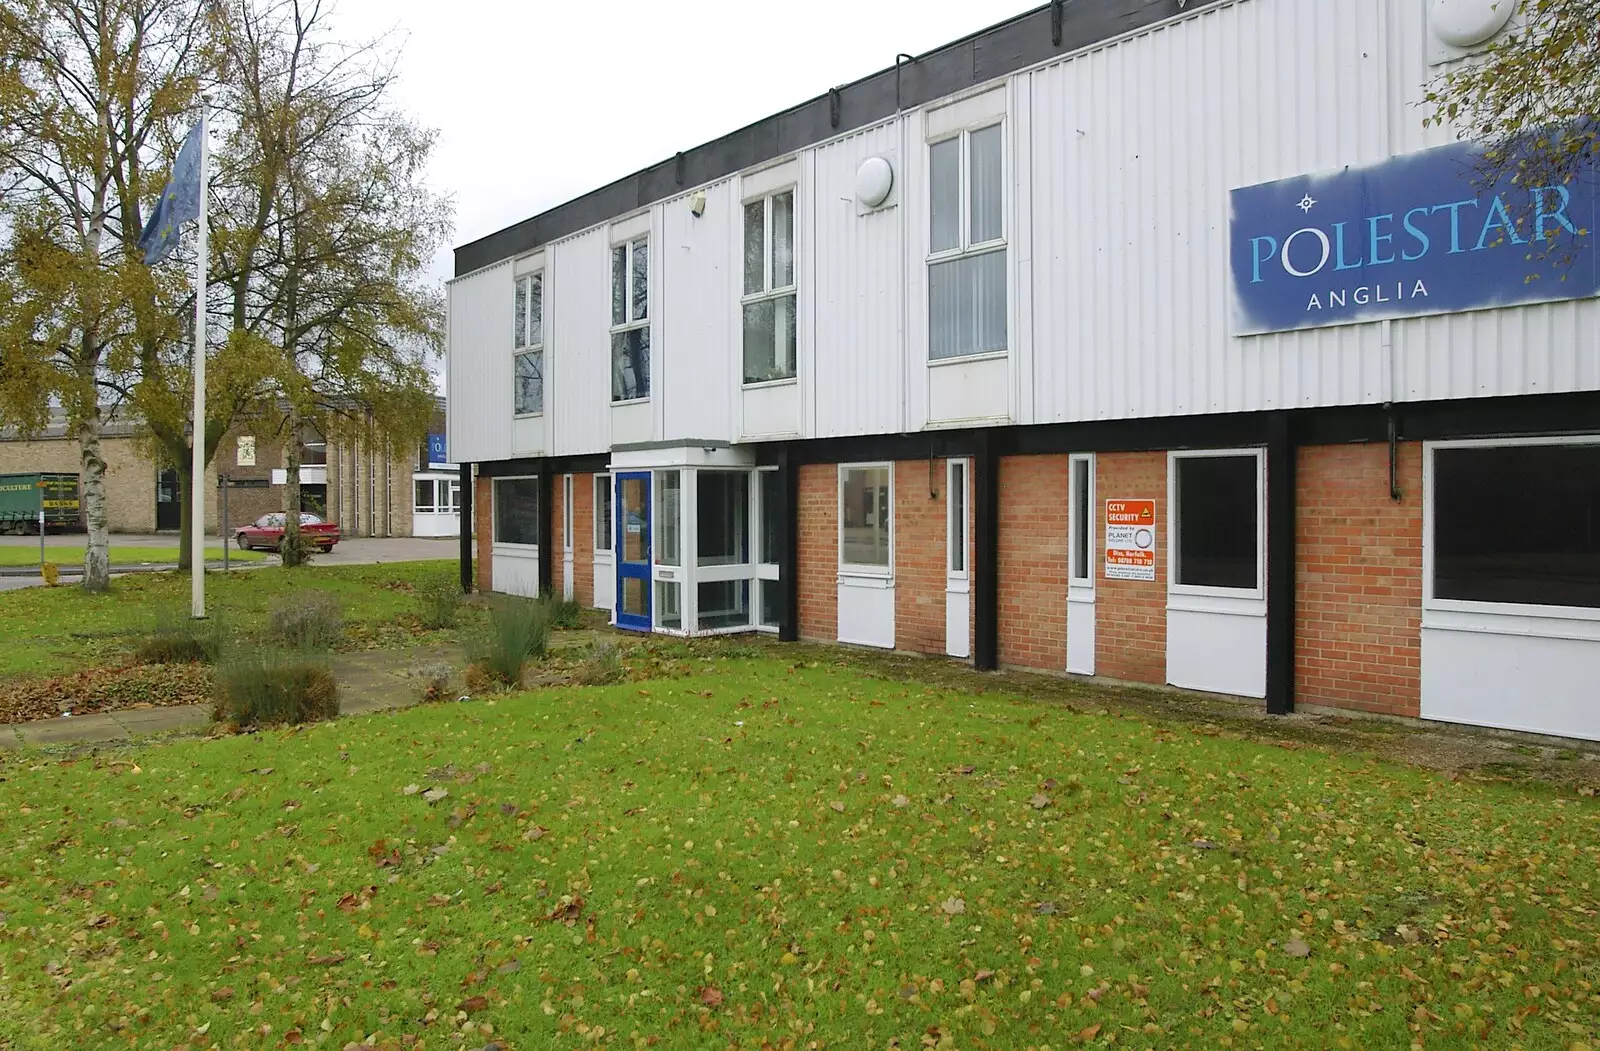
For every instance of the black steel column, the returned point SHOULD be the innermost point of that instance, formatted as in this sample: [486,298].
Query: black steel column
[986,555]
[466,529]
[547,548]
[788,536]
[1280,564]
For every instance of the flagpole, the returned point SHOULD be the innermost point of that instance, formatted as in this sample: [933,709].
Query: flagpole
[197,488]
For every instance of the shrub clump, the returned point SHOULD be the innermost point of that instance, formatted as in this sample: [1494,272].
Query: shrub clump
[273,688]
[600,666]
[177,638]
[433,680]
[306,620]
[564,613]
[440,599]
[518,629]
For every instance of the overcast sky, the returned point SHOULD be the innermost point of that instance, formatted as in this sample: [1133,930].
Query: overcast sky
[540,101]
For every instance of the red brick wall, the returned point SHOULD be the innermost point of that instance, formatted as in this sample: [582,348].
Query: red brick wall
[919,556]
[1358,593]
[483,519]
[582,538]
[1033,562]
[818,551]
[1130,628]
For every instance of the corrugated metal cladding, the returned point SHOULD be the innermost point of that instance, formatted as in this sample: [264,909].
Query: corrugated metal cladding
[478,365]
[578,326]
[1121,162]
[699,368]
[858,271]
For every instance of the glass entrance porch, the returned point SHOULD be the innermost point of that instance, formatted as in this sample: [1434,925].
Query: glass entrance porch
[696,549]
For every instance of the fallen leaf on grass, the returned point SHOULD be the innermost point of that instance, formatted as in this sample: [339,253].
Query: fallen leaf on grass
[433,795]
[1086,1035]
[473,1004]
[900,801]
[535,833]
[1296,947]
[326,961]
[567,911]
[222,995]
[711,996]
[837,805]
[1045,908]
[953,906]
[1039,801]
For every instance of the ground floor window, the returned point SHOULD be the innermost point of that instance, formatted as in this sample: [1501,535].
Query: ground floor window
[866,516]
[436,496]
[1080,520]
[1517,523]
[722,517]
[602,512]
[516,511]
[723,604]
[1217,521]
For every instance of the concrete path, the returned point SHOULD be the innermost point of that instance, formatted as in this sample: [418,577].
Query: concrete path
[368,682]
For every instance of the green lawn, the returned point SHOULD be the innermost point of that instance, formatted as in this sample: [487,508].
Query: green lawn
[72,555]
[764,855]
[49,631]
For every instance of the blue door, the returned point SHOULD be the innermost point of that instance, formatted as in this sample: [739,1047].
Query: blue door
[633,550]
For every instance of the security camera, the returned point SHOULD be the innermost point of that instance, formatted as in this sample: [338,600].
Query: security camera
[697,204]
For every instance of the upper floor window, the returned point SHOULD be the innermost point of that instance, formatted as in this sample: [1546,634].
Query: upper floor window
[966,246]
[630,320]
[769,288]
[528,332]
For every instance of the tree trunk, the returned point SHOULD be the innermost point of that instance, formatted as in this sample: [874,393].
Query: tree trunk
[291,490]
[186,513]
[96,556]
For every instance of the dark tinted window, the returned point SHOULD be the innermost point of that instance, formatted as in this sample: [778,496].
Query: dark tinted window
[771,510]
[1517,523]
[1217,521]
[516,510]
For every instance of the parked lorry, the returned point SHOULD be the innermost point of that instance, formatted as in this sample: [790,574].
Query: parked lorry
[23,496]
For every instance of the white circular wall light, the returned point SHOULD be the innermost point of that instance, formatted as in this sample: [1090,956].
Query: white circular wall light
[874,180]
[1467,23]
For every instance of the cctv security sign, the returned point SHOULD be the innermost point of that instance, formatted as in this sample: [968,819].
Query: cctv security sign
[1417,234]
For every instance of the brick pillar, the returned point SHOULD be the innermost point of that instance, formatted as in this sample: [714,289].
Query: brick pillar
[1130,634]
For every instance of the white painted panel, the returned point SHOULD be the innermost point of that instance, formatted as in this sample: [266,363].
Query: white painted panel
[772,410]
[966,391]
[1515,682]
[432,523]
[528,434]
[1215,651]
[958,620]
[514,572]
[1134,148]
[866,611]
[478,365]
[696,271]
[577,320]
[605,581]
[857,268]
[631,422]
[1080,634]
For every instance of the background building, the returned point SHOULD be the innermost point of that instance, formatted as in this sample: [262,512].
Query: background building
[1154,341]
[368,488]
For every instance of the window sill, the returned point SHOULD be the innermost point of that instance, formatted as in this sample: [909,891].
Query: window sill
[499,547]
[615,404]
[783,381]
[1193,598]
[964,359]
[866,575]
[1519,610]
[528,415]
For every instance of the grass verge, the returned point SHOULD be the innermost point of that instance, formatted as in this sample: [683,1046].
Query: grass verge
[766,852]
[49,631]
[13,555]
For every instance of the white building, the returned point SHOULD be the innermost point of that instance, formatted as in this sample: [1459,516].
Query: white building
[1133,338]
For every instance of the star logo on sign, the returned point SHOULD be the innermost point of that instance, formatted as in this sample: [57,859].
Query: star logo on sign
[1305,203]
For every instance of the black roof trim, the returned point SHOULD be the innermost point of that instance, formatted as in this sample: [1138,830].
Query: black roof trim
[1015,44]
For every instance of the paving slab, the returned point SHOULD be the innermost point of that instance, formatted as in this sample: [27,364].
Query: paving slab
[78,729]
[163,720]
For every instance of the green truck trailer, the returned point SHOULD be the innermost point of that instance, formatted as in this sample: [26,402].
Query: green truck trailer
[23,496]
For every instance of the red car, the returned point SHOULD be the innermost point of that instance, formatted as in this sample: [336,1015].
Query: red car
[266,532]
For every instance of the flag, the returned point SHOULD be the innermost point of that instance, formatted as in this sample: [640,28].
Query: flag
[179,203]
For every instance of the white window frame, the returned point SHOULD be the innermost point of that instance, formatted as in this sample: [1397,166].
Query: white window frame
[629,322]
[951,520]
[529,348]
[765,572]
[495,543]
[432,506]
[1175,526]
[856,569]
[1076,529]
[965,247]
[566,513]
[1473,606]
[603,482]
[769,292]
